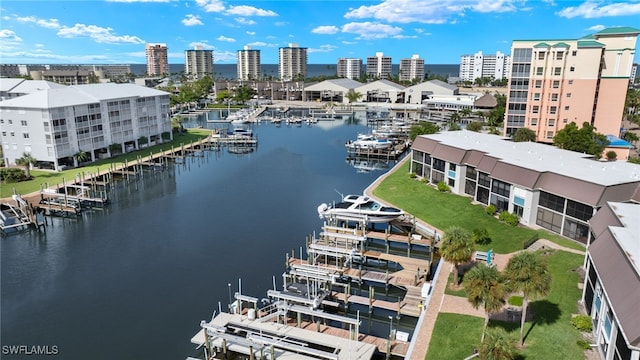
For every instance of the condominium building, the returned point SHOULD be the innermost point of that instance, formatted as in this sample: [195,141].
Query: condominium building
[412,68]
[157,59]
[379,66]
[494,66]
[248,64]
[350,68]
[292,62]
[547,187]
[556,82]
[612,282]
[198,62]
[55,123]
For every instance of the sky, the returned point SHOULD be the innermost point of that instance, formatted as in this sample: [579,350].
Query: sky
[439,31]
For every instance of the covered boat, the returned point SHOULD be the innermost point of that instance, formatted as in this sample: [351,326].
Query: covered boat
[370,142]
[359,208]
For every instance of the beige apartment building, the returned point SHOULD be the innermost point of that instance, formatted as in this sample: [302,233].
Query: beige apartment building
[556,82]
[248,64]
[292,62]
[157,59]
[198,62]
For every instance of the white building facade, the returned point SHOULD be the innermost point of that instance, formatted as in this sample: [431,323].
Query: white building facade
[350,68]
[379,66]
[478,65]
[292,62]
[55,124]
[248,64]
[412,68]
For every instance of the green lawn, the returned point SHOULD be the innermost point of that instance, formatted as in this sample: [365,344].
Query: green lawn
[53,178]
[550,336]
[443,210]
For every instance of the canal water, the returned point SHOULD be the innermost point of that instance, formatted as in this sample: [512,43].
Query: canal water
[134,280]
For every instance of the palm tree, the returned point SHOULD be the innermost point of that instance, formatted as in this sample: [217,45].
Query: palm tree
[26,160]
[457,247]
[353,96]
[497,345]
[527,273]
[484,287]
[81,156]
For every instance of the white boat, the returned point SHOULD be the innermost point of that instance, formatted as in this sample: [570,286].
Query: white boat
[359,208]
[241,131]
[369,142]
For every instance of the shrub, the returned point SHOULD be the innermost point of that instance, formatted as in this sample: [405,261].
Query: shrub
[491,210]
[611,155]
[443,187]
[142,140]
[481,236]
[582,323]
[584,344]
[412,175]
[12,175]
[509,218]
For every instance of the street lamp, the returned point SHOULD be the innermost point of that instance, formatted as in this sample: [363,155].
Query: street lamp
[229,286]
[389,339]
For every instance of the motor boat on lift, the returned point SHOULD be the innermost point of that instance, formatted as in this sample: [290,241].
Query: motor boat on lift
[369,142]
[359,208]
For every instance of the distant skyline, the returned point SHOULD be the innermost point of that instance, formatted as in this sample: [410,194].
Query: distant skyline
[116,31]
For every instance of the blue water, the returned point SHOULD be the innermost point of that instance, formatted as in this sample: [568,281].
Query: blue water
[133,281]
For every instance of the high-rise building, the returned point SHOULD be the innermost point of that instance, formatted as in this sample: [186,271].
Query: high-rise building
[495,66]
[292,62]
[412,68]
[350,68]
[157,59]
[556,82]
[379,66]
[198,62]
[248,64]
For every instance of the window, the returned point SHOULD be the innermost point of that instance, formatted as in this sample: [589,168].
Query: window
[551,201]
[539,70]
[470,187]
[25,135]
[536,109]
[452,166]
[553,110]
[554,97]
[565,120]
[579,211]
[484,179]
[559,55]
[574,53]
[12,133]
[540,56]
[556,84]
[501,188]
[471,173]
[568,95]
[10,122]
[566,107]
[438,164]
[557,71]
[551,122]
[4,133]
[536,96]
[549,220]
[573,68]
[549,134]
[538,84]
[23,122]
[534,121]
[570,82]
[1,121]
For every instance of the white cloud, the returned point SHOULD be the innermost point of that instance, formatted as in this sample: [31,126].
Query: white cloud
[595,9]
[328,30]
[349,42]
[261,44]
[244,10]
[9,40]
[244,21]
[251,33]
[224,38]
[98,34]
[202,44]
[428,12]
[139,1]
[596,28]
[370,30]
[45,23]
[192,20]
[322,49]
[211,5]
[222,56]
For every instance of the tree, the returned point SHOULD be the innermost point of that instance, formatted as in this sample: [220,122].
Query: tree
[528,274]
[485,288]
[497,345]
[353,95]
[453,127]
[457,247]
[630,137]
[244,93]
[631,104]
[423,128]
[524,134]
[475,126]
[26,161]
[81,156]
[584,140]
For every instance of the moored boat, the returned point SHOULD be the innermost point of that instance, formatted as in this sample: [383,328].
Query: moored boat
[359,208]
[369,142]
